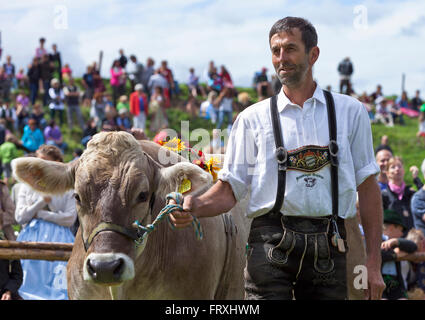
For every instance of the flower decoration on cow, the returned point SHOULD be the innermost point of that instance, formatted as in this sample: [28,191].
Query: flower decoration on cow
[195,156]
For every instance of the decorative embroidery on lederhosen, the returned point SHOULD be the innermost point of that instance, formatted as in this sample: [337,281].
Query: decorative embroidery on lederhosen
[308,158]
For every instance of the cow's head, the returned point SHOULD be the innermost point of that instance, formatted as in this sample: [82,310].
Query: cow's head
[116,181]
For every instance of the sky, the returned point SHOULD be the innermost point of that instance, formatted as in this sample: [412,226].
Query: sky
[383,38]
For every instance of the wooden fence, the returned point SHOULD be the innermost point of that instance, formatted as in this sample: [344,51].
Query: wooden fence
[51,251]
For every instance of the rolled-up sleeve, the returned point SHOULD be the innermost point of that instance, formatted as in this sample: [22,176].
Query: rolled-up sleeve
[238,161]
[362,147]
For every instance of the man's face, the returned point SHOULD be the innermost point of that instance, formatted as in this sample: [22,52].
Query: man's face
[382,158]
[289,58]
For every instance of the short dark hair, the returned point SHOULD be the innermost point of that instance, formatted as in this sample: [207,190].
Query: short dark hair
[308,32]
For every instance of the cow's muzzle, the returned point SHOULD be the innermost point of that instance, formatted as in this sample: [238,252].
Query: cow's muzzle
[108,268]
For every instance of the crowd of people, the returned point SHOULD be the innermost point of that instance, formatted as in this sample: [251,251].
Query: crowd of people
[35,105]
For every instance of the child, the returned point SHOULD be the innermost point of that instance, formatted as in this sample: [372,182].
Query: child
[8,152]
[392,248]
[123,121]
[123,103]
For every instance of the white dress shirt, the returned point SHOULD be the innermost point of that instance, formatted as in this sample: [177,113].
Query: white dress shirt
[250,162]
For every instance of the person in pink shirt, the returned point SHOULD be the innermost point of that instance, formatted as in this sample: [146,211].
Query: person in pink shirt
[118,80]
[41,51]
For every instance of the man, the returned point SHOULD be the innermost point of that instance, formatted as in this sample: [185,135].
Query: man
[262,85]
[136,72]
[382,157]
[122,59]
[9,70]
[55,58]
[285,260]
[417,101]
[46,75]
[345,69]
[72,100]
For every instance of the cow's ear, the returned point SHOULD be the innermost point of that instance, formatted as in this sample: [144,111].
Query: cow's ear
[45,176]
[184,177]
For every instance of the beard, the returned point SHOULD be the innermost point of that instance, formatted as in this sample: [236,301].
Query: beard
[294,76]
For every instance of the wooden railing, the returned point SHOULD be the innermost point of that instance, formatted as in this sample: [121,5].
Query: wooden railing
[52,251]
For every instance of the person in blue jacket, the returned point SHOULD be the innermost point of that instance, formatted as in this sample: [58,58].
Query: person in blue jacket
[32,138]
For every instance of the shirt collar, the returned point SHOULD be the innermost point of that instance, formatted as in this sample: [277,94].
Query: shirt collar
[283,101]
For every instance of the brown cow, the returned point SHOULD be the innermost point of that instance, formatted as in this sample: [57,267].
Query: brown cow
[118,180]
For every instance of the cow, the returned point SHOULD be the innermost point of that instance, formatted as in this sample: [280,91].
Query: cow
[119,180]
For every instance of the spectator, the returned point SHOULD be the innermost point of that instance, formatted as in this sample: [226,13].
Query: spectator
[136,72]
[9,69]
[383,145]
[192,106]
[418,205]
[88,84]
[378,93]
[147,73]
[123,103]
[262,85]
[117,81]
[168,75]
[392,248]
[8,152]
[32,138]
[41,51]
[99,86]
[366,101]
[4,85]
[110,122]
[398,195]
[123,120]
[225,76]
[45,218]
[159,118]
[139,107]
[76,154]
[382,158]
[21,79]
[34,75]
[89,131]
[214,81]
[345,70]
[276,85]
[53,136]
[22,98]
[37,113]
[7,213]
[420,135]
[416,272]
[193,84]
[122,59]
[396,111]
[225,104]
[66,73]
[383,113]
[72,99]
[207,109]
[97,110]
[57,98]
[416,102]
[55,58]
[11,277]
[46,75]
[22,116]
[9,114]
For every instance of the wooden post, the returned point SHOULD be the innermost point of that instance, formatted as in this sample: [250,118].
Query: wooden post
[15,250]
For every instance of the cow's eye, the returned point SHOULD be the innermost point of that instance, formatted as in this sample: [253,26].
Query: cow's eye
[77,197]
[142,197]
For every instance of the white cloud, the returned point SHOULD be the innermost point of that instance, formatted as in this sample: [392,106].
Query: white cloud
[233,33]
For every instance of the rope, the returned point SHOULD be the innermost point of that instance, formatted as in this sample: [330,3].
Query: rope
[164,213]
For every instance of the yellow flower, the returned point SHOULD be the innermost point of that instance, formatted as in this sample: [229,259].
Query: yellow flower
[212,168]
[175,145]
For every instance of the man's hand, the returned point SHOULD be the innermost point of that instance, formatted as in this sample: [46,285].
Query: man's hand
[182,219]
[414,171]
[376,284]
[7,296]
[389,244]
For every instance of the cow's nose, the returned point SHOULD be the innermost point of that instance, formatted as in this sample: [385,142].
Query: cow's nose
[106,271]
